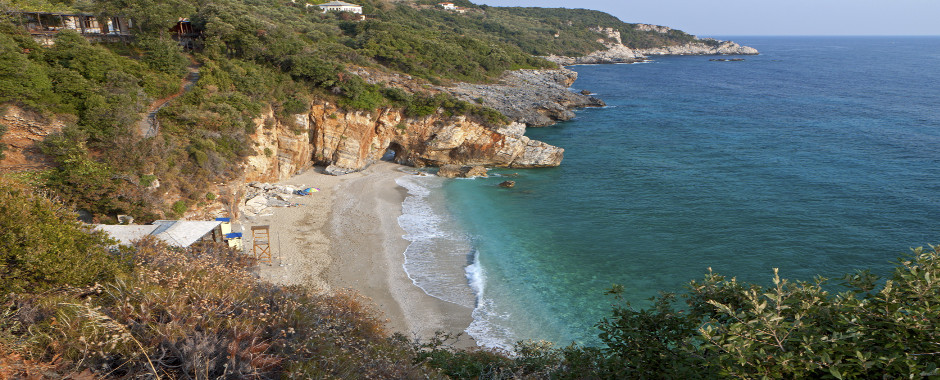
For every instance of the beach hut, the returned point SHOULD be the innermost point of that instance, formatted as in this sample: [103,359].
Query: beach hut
[178,233]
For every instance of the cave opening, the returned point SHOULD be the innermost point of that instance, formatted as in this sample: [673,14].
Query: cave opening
[394,153]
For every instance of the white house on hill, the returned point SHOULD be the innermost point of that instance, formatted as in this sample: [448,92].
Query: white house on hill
[340,6]
[448,6]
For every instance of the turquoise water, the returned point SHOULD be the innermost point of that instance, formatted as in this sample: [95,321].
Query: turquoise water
[818,157]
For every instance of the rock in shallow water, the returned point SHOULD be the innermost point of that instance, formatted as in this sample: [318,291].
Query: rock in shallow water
[454,171]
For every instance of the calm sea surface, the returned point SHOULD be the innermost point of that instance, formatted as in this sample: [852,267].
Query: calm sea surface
[818,157]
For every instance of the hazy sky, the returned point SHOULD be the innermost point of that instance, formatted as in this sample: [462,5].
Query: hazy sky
[766,17]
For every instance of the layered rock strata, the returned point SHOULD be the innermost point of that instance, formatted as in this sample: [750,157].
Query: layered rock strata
[347,141]
[536,98]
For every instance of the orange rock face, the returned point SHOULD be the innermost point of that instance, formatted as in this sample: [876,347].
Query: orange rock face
[350,141]
[21,141]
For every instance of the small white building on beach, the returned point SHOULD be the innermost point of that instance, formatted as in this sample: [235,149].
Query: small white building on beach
[177,233]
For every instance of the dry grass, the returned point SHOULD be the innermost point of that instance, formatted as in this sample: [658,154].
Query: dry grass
[196,314]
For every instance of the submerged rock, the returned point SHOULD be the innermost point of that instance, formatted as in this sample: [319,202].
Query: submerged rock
[507,184]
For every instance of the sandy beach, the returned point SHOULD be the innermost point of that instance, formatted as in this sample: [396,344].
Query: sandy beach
[347,236]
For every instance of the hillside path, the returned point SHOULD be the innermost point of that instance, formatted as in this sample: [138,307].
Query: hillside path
[148,126]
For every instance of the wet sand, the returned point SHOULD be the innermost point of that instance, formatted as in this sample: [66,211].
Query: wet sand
[347,236]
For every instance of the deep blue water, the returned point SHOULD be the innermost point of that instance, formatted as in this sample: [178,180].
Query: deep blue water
[819,156]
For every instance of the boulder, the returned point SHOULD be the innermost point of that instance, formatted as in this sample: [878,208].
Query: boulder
[338,170]
[454,171]
[448,171]
[507,184]
[474,171]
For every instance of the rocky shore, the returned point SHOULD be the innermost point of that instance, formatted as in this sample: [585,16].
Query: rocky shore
[536,98]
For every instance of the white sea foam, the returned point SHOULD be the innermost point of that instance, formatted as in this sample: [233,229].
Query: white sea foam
[485,328]
[441,260]
[439,251]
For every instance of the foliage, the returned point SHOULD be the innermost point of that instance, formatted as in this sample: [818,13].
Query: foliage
[78,178]
[43,246]
[252,56]
[151,17]
[530,360]
[162,55]
[199,313]
[648,342]
[3,130]
[731,329]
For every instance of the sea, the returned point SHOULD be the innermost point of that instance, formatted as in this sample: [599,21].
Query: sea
[820,156]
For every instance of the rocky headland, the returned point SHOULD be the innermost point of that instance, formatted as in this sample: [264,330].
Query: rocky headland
[617,52]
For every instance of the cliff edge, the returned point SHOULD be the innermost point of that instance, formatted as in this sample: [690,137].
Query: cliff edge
[347,141]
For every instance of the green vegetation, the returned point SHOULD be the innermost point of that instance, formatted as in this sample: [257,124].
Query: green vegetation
[727,329]
[43,245]
[69,304]
[252,57]
[170,313]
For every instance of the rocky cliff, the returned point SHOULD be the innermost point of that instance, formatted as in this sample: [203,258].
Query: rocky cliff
[21,141]
[536,98]
[617,52]
[347,141]
[281,148]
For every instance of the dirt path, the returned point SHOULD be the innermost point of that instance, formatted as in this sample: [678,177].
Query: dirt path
[148,126]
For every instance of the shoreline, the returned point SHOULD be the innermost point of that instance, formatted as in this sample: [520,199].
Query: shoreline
[347,236]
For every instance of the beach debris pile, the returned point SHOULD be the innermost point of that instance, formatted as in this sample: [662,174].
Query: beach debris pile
[260,196]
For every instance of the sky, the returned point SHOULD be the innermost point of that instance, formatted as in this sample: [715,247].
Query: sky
[766,17]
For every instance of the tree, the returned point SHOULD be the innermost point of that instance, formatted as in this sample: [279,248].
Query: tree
[790,329]
[154,17]
[43,245]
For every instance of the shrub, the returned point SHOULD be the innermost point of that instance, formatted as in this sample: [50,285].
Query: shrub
[357,94]
[43,245]
[179,207]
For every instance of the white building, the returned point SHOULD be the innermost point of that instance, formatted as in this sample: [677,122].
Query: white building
[448,6]
[340,6]
[178,233]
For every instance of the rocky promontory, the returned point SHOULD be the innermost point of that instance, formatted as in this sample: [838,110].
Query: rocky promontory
[536,98]
[714,47]
[617,52]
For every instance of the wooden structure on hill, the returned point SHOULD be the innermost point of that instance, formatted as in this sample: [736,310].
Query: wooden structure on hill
[185,34]
[43,26]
